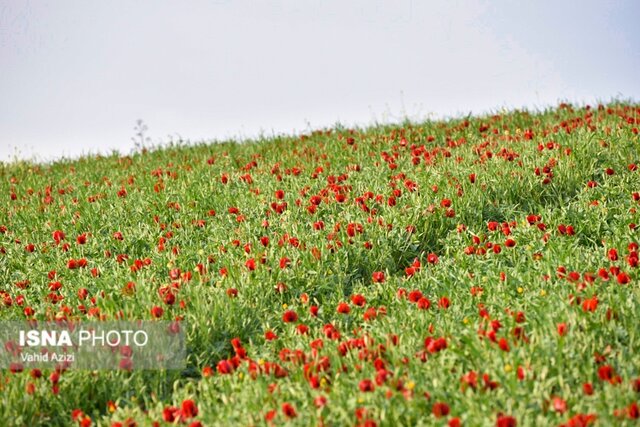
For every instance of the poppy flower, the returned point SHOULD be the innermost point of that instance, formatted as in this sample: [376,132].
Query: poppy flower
[633,411]
[157,311]
[290,316]
[284,262]
[440,409]
[559,405]
[606,373]
[506,421]
[590,304]
[289,411]
[378,277]
[188,409]
[623,278]
[320,401]
[358,300]
[415,296]
[343,308]
[424,303]
[58,236]
[562,329]
[366,386]
[434,345]
[170,414]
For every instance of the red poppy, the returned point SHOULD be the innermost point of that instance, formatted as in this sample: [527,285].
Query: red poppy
[444,303]
[415,296]
[224,367]
[170,414]
[284,262]
[58,236]
[424,303]
[559,405]
[358,300]
[506,421]
[590,304]
[378,277]
[562,329]
[343,308]
[623,278]
[288,410]
[188,409]
[440,409]
[290,316]
[320,401]
[606,373]
[434,345]
[366,386]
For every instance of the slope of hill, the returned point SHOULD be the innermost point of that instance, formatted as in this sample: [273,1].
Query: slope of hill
[480,271]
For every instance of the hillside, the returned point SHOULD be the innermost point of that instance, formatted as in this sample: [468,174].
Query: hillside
[480,271]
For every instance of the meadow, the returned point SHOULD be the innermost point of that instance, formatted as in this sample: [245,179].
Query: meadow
[474,271]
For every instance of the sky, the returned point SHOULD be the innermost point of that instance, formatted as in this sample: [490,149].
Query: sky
[75,76]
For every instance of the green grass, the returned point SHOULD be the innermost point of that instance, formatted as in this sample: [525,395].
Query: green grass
[169,190]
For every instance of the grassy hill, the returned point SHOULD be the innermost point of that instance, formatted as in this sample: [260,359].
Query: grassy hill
[480,271]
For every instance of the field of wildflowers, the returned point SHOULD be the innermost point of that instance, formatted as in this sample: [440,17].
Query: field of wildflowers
[479,271]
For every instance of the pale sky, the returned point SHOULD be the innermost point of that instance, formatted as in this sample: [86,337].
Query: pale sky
[76,75]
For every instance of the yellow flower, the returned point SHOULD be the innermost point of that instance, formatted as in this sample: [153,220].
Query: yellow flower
[465,321]
[284,305]
[508,368]
[411,385]
[543,292]
[520,289]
